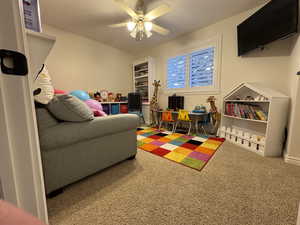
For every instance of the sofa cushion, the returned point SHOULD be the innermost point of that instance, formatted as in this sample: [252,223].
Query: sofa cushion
[44,119]
[69,108]
[68,133]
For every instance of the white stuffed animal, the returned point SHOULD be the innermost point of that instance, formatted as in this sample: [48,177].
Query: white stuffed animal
[43,89]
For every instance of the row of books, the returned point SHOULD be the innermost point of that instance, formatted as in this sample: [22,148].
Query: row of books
[246,111]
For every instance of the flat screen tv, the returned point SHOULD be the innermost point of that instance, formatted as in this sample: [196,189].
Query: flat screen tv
[276,20]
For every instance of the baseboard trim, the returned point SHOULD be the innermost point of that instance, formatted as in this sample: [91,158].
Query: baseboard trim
[292,160]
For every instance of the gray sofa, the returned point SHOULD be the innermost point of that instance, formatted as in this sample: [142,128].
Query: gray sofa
[71,151]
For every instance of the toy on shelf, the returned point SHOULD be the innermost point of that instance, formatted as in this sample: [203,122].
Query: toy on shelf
[216,116]
[249,98]
[154,107]
[111,97]
[97,96]
[104,95]
[118,97]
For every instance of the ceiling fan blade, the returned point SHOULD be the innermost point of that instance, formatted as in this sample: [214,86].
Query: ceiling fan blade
[126,8]
[157,12]
[118,25]
[160,29]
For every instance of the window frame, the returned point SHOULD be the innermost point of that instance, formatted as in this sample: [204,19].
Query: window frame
[216,43]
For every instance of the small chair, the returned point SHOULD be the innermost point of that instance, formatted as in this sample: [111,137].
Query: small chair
[167,118]
[183,117]
[135,105]
[205,121]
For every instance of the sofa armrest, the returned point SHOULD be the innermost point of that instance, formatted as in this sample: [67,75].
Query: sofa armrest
[68,133]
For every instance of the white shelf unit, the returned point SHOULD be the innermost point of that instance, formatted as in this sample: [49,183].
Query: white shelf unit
[143,76]
[40,45]
[273,103]
[143,73]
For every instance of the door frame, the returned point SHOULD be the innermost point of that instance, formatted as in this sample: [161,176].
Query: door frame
[20,158]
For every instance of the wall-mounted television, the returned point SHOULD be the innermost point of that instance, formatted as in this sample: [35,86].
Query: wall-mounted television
[276,20]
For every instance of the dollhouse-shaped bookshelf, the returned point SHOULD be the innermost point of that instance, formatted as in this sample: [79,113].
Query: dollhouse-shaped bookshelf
[255,117]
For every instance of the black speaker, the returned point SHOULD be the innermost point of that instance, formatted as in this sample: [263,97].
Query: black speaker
[176,102]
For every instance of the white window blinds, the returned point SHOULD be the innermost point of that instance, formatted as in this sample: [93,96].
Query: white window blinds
[202,68]
[176,77]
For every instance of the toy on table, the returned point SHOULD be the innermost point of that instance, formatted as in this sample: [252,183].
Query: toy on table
[96,107]
[199,109]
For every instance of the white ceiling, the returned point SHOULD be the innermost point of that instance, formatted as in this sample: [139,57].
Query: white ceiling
[90,18]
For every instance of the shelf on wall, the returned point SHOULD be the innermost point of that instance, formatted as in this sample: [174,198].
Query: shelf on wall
[247,101]
[142,70]
[40,45]
[239,118]
[40,35]
[145,76]
[114,102]
[141,86]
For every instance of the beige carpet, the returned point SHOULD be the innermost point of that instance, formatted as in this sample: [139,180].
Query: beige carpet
[236,187]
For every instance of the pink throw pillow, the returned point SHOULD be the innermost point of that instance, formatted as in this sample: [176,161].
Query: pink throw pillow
[59,92]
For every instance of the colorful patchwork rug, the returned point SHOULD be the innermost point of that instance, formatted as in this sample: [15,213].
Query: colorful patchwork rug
[191,151]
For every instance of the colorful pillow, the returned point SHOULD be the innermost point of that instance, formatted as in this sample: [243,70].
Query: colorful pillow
[43,82]
[96,107]
[82,95]
[59,92]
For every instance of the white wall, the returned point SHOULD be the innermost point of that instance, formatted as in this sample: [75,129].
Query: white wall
[293,150]
[77,62]
[269,66]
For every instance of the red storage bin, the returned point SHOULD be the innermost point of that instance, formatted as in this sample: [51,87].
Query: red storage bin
[124,108]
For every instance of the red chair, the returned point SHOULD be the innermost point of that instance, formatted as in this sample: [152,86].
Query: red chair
[167,118]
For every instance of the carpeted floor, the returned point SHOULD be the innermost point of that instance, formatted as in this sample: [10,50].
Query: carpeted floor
[236,187]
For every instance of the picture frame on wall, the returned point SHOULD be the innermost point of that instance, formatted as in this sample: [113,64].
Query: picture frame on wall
[32,17]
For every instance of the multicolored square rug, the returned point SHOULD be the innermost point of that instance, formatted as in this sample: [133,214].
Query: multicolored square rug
[191,151]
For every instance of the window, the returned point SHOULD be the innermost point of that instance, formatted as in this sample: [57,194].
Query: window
[202,68]
[177,72]
[193,71]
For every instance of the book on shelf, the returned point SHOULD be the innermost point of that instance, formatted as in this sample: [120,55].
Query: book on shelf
[245,111]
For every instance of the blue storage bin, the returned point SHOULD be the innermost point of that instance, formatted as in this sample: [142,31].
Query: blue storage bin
[115,109]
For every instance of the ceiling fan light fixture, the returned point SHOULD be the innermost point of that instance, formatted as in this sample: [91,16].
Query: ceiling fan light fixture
[133,33]
[148,34]
[148,26]
[131,26]
[139,35]
[140,25]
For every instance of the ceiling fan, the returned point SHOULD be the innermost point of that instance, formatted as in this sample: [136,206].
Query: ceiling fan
[141,24]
